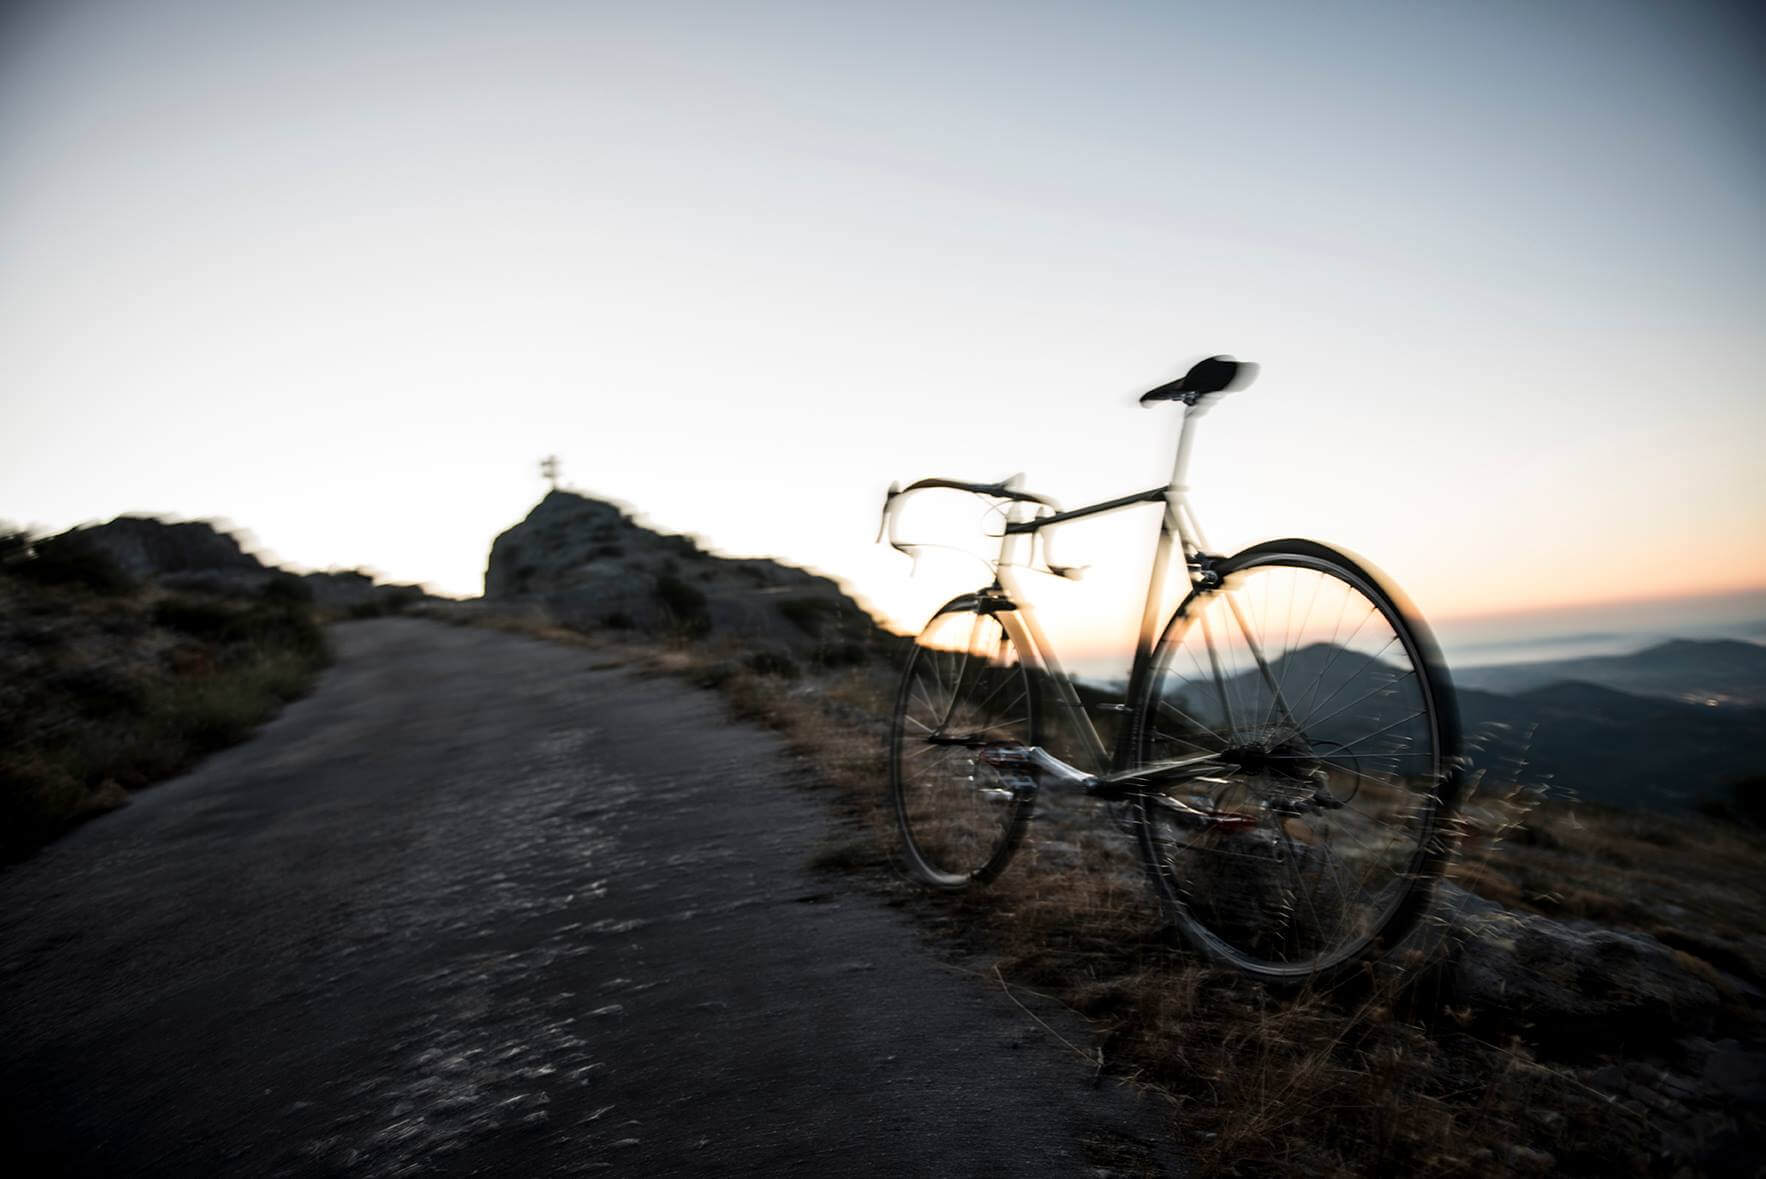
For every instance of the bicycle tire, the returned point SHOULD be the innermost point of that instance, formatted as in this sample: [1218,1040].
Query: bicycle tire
[960,820]
[1288,881]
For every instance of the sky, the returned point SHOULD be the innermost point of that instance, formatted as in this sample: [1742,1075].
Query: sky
[341,274]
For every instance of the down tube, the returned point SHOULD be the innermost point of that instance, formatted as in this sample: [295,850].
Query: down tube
[1024,630]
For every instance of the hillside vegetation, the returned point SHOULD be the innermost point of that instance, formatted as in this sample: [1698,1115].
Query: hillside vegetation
[110,681]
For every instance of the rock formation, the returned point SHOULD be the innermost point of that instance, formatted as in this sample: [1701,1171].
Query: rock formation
[592,567]
[200,557]
[147,549]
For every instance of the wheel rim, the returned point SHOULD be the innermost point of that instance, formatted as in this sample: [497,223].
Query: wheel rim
[1333,765]
[965,690]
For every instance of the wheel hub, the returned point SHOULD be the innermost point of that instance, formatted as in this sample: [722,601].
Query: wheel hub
[1286,776]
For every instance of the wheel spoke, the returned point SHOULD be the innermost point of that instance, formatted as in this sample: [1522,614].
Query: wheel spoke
[959,820]
[1330,751]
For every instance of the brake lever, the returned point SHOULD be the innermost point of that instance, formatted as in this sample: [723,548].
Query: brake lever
[888,502]
[1065,572]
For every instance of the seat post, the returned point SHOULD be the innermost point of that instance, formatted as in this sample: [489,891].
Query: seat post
[1181,465]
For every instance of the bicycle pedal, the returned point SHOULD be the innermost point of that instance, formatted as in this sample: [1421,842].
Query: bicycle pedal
[1019,785]
[1007,757]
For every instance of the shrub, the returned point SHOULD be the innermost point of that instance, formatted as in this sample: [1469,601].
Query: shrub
[68,560]
[269,624]
[687,603]
[841,654]
[773,663]
[400,599]
[290,629]
[682,546]
[808,615]
[101,692]
[198,618]
[287,589]
[714,675]
[15,545]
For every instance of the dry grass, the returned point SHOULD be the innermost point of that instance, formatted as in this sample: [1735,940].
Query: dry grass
[1378,1076]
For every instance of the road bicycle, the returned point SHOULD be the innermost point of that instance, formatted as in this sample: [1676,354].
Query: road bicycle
[1286,753]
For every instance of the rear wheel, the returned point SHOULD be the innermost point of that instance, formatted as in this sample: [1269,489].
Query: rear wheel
[1322,699]
[965,691]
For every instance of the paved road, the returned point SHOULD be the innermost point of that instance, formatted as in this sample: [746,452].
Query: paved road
[479,905]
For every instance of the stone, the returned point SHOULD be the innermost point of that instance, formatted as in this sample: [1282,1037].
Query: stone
[1737,1071]
[594,568]
[1574,978]
[146,548]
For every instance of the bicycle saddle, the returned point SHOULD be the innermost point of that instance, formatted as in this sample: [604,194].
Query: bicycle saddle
[1217,374]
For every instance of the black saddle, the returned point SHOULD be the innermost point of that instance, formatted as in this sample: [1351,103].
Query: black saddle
[1217,374]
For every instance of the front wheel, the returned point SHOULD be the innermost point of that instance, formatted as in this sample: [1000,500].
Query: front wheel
[1328,717]
[965,691]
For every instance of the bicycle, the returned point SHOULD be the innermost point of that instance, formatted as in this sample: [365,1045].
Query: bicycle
[1290,759]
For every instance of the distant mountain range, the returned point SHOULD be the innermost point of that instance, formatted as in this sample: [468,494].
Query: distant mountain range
[1600,745]
[1662,728]
[1721,671]
[1647,745]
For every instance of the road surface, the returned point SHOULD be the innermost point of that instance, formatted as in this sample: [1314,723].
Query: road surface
[482,905]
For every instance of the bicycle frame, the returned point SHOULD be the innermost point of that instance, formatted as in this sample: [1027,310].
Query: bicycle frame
[1113,769]
[1177,524]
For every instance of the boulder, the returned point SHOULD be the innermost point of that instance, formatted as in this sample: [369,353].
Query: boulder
[146,549]
[1565,980]
[593,567]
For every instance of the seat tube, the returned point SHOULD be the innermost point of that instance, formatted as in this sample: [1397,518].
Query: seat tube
[1170,525]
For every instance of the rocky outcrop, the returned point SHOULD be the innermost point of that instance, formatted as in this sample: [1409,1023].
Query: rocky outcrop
[147,549]
[1564,981]
[1624,1021]
[198,557]
[592,567]
[1575,978]
[351,589]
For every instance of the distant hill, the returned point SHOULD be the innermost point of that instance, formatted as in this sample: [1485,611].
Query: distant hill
[1584,740]
[1601,745]
[1721,670]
